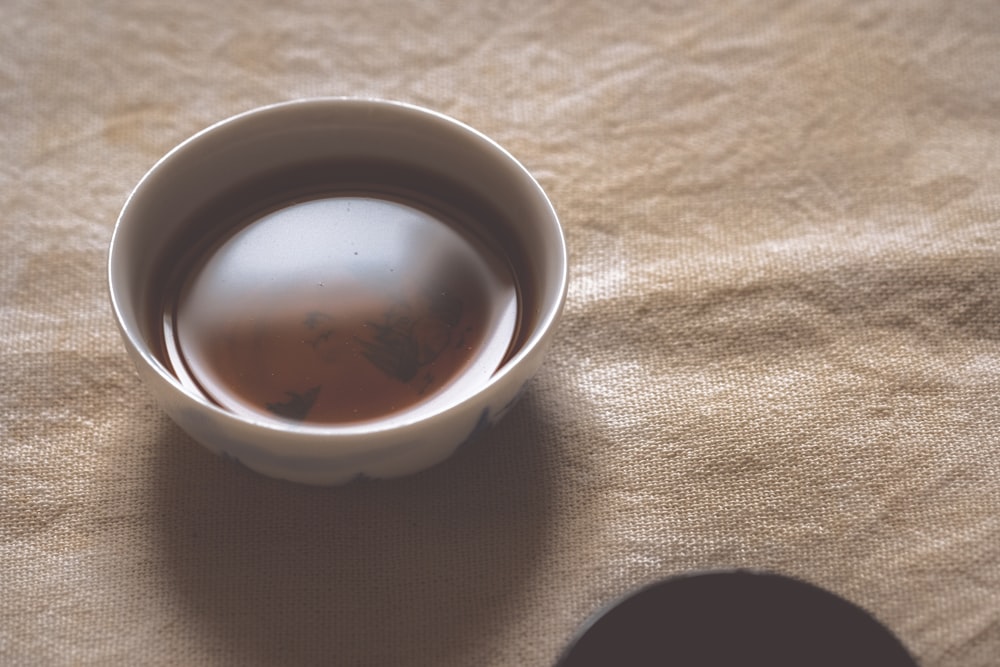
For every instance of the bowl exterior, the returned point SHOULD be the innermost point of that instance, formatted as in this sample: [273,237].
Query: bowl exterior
[262,139]
[336,458]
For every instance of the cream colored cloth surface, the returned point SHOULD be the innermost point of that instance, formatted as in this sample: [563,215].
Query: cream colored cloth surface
[780,350]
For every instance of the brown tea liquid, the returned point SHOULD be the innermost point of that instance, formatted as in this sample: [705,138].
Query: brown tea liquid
[341,308]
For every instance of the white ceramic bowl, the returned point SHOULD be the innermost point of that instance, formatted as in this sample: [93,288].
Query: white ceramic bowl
[261,141]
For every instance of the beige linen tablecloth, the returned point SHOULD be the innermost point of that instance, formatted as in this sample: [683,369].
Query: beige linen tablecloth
[780,350]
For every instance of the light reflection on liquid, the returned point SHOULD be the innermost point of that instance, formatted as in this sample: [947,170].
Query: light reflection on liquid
[343,309]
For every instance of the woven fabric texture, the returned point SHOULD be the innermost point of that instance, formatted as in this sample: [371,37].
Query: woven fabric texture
[780,349]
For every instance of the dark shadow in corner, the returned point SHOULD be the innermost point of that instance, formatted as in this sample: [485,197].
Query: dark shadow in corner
[406,571]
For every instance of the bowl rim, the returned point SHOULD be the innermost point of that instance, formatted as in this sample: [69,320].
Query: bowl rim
[539,335]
